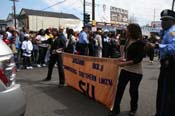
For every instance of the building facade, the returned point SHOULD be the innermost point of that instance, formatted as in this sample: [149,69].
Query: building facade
[11,21]
[3,25]
[35,20]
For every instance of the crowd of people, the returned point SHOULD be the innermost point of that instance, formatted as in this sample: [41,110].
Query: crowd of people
[44,48]
[30,49]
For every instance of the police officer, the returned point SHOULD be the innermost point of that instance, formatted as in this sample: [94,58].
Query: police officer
[165,103]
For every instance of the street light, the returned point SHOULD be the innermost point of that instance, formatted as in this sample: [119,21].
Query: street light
[14,10]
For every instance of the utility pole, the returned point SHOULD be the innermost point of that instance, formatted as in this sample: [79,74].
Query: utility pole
[93,14]
[84,5]
[14,10]
[154,14]
[173,5]
[93,9]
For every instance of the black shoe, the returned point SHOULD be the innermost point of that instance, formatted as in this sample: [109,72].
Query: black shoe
[46,79]
[132,113]
[62,85]
[113,113]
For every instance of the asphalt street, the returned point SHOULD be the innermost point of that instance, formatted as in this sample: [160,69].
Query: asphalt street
[46,99]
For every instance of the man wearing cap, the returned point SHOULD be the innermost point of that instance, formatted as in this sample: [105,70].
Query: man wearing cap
[27,48]
[166,83]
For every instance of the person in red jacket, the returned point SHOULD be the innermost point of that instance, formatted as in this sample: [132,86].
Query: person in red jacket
[5,39]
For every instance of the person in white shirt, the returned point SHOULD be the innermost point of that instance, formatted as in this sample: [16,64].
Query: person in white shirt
[42,48]
[27,48]
[98,44]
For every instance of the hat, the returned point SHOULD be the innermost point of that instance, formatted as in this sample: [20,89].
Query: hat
[61,28]
[99,31]
[26,35]
[167,14]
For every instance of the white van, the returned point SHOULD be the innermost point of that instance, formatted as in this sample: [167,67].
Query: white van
[12,99]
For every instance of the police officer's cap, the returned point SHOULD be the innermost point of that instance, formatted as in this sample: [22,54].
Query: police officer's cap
[167,14]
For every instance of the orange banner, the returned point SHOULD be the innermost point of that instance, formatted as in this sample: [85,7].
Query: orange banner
[94,77]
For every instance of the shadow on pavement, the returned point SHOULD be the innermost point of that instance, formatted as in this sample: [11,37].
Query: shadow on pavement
[72,102]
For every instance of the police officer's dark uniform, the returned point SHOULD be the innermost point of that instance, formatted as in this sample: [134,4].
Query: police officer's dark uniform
[165,105]
[57,46]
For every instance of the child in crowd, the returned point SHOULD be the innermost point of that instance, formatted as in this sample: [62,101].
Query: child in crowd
[27,48]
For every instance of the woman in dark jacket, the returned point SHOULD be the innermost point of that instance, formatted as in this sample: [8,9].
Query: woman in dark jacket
[131,69]
[58,44]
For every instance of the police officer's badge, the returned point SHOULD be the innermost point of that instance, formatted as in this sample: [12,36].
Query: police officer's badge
[172,33]
[165,13]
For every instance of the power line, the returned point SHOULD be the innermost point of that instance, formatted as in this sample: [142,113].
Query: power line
[54,4]
[67,9]
[73,8]
[14,10]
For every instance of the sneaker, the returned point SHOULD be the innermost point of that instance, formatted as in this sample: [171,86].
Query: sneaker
[55,65]
[27,67]
[44,65]
[30,67]
[151,62]
[38,65]
[132,113]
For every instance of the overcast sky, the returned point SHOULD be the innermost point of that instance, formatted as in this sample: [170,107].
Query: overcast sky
[141,10]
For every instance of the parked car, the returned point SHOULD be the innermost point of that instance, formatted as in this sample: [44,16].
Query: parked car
[12,98]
